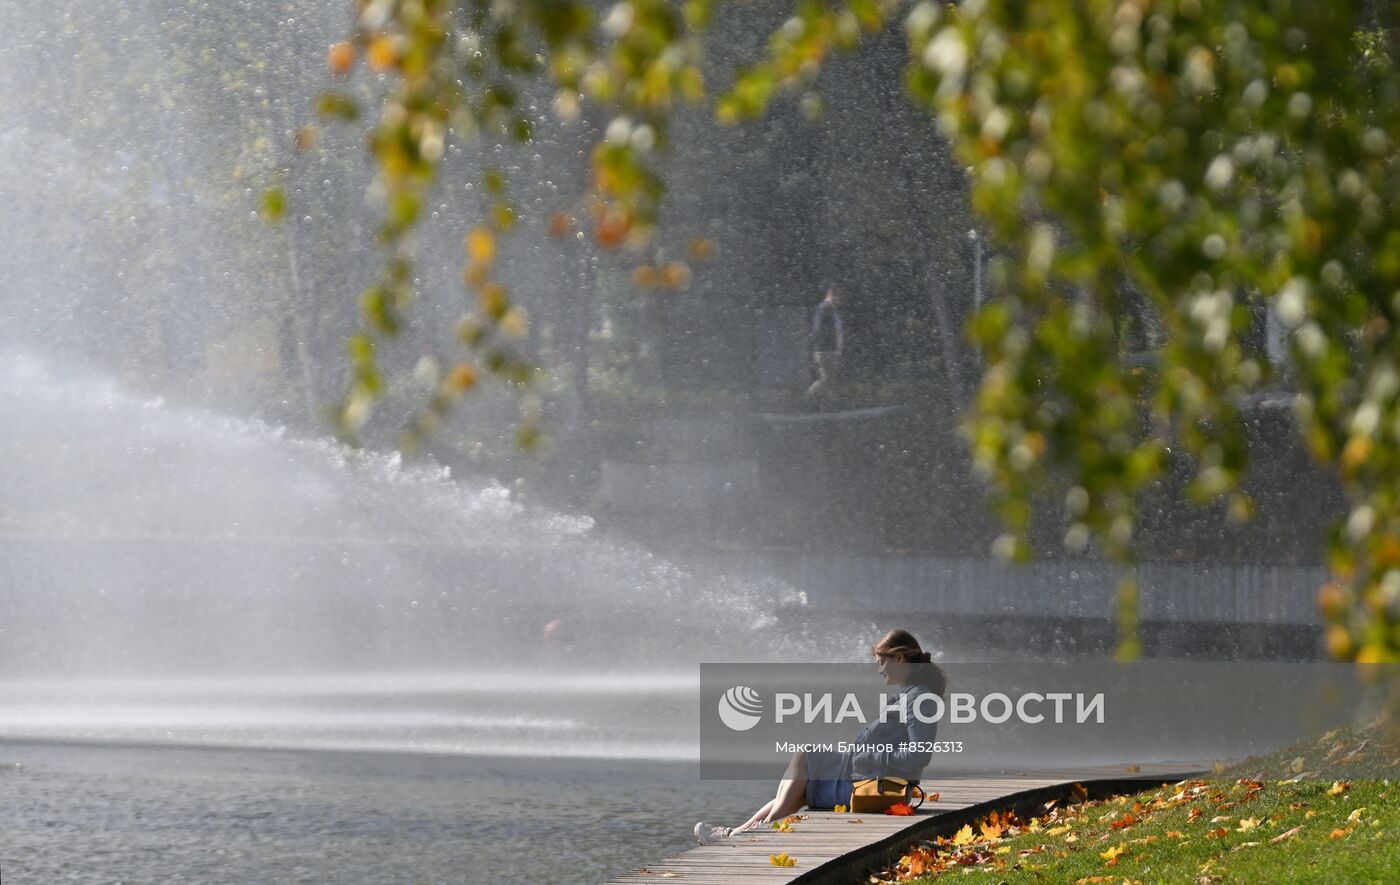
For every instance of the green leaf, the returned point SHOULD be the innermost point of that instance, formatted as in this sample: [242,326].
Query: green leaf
[339,106]
[274,203]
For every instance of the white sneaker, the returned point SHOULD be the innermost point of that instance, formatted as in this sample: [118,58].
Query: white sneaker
[709,834]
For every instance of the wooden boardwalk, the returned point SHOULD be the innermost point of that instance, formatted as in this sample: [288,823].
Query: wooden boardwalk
[834,848]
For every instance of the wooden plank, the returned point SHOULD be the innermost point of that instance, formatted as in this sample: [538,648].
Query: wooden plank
[828,847]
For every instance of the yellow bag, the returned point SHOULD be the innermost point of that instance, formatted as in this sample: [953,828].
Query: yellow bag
[875,795]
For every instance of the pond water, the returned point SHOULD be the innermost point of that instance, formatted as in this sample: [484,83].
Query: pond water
[139,814]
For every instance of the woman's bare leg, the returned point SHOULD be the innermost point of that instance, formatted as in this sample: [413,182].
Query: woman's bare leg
[757,817]
[791,795]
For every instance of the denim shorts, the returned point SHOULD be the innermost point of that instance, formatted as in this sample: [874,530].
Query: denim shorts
[828,781]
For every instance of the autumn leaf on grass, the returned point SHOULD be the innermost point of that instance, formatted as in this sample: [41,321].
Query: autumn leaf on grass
[1174,834]
[1288,835]
[964,836]
[1219,833]
[1195,813]
[920,861]
[1247,824]
[991,831]
[1244,845]
[1338,788]
[900,809]
[1124,822]
[1340,833]
[1355,815]
[1112,854]
[1356,754]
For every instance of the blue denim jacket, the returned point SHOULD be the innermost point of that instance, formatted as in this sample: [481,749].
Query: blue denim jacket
[905,763]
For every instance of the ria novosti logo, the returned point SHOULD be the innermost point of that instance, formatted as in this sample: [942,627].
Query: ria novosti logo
[740,708]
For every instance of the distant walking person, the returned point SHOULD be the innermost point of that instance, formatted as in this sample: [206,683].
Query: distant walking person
[828,341]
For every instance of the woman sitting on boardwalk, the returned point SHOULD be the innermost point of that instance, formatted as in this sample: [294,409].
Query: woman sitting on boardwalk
[825,780]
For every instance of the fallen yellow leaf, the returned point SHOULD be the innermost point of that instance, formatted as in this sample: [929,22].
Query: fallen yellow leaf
[1288,835]
[1112,854]
[1338,788]
[1355,815]
[964,836]
[1247,824]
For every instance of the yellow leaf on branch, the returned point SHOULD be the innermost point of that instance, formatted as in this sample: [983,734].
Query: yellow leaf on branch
[481,246]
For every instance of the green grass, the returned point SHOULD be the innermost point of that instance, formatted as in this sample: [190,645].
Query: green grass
[1317,812]
[1349,753]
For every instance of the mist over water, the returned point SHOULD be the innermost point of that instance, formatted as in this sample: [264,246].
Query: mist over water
[180,575]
